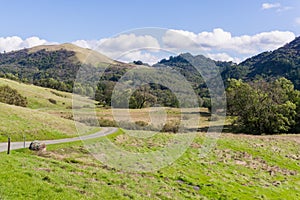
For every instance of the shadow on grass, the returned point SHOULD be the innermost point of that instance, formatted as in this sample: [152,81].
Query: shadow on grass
[225,129]
[204,114]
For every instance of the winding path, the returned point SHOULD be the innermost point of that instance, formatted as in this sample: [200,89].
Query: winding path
[19,145]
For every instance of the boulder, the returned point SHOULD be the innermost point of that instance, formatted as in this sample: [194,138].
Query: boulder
[37,146]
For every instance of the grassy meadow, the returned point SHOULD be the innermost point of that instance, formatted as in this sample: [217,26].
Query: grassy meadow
[239,167]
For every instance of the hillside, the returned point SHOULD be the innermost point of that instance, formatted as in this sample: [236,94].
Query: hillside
[47,116]
[239,167]
[53,66]
[282,62]
[56,66]
[83,55]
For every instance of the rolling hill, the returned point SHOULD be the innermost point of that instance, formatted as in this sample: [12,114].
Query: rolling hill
[82,55]
[47,116]
[282,62]
[53,66]
[56,66]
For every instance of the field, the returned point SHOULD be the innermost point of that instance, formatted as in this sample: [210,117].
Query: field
[239,167]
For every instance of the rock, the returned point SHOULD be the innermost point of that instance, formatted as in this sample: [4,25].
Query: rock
[37,146]
[277,183]
[240,162]
[196,188]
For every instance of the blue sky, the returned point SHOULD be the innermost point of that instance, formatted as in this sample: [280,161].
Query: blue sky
[70,21]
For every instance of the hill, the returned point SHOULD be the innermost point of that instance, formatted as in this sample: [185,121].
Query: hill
[53,66]
[282,62]
[56,66]
[239,167]
[47,116]
[83,55]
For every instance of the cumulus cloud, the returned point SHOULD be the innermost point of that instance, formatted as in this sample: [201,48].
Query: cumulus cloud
[117,46]
[15,43]
[146,57]
[217,44]
[219,39]
[266,6]
[223,57]
[277,6]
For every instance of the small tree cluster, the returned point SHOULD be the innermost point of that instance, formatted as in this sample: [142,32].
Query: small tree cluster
[263,107]
[11,96]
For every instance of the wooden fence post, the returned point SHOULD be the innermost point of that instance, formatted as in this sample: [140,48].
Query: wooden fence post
[8,145]
[24,137]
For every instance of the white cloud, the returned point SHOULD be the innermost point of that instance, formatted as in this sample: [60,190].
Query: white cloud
[219,39]
[120,45]
[223,57]
[139,55]
[266,6]
[284,8]
[15,43]
[217,44]
[277,6]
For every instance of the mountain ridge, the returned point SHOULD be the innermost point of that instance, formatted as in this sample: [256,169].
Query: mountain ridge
[56,66]
[84,55]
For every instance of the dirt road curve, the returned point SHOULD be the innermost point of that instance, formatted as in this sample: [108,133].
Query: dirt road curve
[19,145]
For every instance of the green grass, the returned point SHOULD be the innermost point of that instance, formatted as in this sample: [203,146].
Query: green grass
[239,167]
[38,97]
[42,119]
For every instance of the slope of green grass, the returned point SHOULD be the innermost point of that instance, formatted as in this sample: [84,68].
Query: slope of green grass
[239,167]
[38,97]
[18,121]
[41,119]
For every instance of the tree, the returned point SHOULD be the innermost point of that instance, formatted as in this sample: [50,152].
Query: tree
[104,91]
[11,96]
[142,98]
[262,107]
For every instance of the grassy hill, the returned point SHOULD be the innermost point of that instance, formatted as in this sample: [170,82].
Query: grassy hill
[83,55]
[239,167]
[282,62]
[48,115]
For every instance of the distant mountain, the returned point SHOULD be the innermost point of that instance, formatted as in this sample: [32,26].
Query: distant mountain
[53,66]
[283,62]
[83,55]
[56,66]
[191,66]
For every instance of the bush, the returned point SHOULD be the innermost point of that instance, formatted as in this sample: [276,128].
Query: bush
[172,126]
[263,107]
[11,96]
[107,123]
[53,101]
[141,123]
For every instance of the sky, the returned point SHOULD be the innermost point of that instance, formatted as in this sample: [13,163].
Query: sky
[222,30]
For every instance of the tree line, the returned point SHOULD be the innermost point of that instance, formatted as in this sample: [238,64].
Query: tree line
[262,107]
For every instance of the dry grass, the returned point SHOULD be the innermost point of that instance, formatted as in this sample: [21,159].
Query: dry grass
[84,55]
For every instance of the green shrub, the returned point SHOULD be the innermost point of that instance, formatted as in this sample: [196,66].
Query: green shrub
[141,123]
[107,123]
[11,96]
[53,101]
[172,126]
